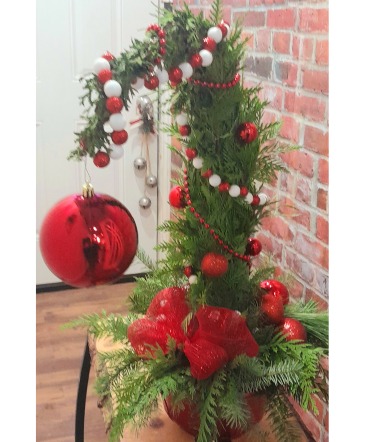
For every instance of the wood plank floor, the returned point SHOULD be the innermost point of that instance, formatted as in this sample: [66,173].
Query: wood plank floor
[59,358]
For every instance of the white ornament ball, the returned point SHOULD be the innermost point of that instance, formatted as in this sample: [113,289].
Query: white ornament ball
[162,75]
[193,279]
[117,121]
[187,69]
[116,151]
[182,119]
[263,198]
[216,34]
[249,198]
[215,180]
[234,191]
[207,57]
[107,128]
[198,162]
[100,64]
[138,84]
[112,88]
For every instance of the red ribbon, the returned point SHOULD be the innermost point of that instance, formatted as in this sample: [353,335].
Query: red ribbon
[215,335]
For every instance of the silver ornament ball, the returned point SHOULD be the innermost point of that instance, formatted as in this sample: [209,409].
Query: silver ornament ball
[145,202]
[140,163]
[151,181]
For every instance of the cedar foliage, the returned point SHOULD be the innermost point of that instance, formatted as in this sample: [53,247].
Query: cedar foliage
[282,368]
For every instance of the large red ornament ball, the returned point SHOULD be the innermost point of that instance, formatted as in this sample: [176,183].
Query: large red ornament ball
[253,247]
[276,288]
[272,309]
[101,159]
[151,82]
[196,61]
[214,265]
[176,198]
[293,330]
[209,44]
[175,75]
[185,130]
[246,133]
[88,241]
[105,75]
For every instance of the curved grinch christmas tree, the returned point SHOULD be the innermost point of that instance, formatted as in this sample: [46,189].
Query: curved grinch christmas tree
[211,335]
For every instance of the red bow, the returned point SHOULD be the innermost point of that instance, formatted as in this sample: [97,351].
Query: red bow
[215,335]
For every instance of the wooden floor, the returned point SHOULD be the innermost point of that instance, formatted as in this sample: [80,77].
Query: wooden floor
[59,358]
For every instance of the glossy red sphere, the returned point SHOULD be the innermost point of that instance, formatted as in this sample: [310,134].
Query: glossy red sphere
[185,130]
[214,265]
[175,75]
[101,159]
[293,330]
[176,197]
[246,133]
[119,136]
[88,241]
[196,61]
[151,82]
[209,44]
[276,288]
[191,153]
[253,247]
[104,75]
[114,104]
[272,309]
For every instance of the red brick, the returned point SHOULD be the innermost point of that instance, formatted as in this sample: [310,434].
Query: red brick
[312,295]
[323,171]
[311,250]
[300,161]
[269,117]
[295,47]
[322,229]
[300,216]
[304,191]
[281,42]
[281,18]
[313,20]
[287,183]
[278,228]
[316,140]
[322,52]
[263,37]
[309,107]
[296,290]
[300,266]
[286,72]
[307,49]
[309,420]
[274,95]
[233,2]
[290,129]
[251,39]
[270,245]
[322,198]
[316,81]
[250,18]
[262,2]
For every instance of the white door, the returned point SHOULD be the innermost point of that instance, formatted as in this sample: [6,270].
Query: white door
[71,34]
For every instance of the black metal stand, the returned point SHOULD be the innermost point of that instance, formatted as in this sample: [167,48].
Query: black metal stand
[81,395]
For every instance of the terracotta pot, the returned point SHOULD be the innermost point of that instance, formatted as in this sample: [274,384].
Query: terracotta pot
[188,418]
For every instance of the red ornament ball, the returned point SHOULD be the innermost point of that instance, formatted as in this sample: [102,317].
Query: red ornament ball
[272,309]
[209,44]
[151,82]
[223,26]
[105,75]
[196,61]
[214,265]
[176,198]
[246,133]
[119,136]
[185,130]
[114,104]
[188,271]
[224,187]
[207,174]
[253,247]
[101,159]
[293,330]
[191,153]
[255,200]
[276,288]
[175,75]
[88,241]
[108,56]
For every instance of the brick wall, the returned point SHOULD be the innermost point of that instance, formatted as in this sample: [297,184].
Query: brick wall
[288,54]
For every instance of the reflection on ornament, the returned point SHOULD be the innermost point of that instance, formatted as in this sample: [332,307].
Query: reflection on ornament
[88,240]
[140,163]
[145,202]
[151,181]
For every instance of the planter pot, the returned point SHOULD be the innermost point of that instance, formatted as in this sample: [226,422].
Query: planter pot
[188,418]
